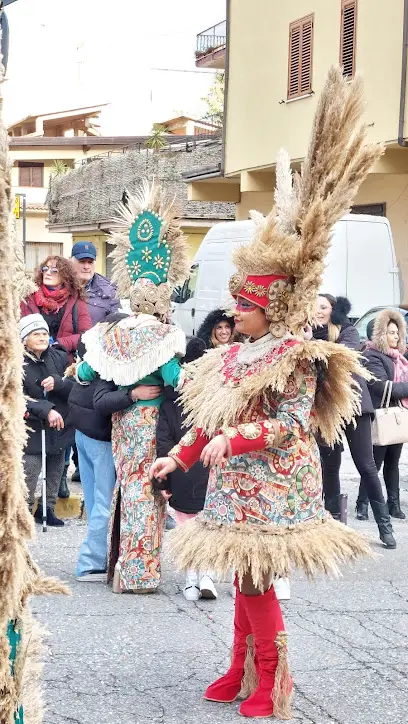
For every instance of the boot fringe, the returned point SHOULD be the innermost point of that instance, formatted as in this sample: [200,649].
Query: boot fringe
[250,679]
[319,546]
[283,688]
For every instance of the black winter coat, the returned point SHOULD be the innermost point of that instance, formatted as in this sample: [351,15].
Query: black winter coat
[83,415]
[188,489]
[108,398]
[53,363]
[351,339]
[382,367]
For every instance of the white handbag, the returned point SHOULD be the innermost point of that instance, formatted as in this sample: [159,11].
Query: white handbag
[390,424]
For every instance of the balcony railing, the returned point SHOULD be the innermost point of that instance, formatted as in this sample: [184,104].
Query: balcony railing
[211,39]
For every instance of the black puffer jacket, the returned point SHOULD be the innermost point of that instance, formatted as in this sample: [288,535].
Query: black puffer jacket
[351,339]
[84,417]
[53,363]
[211,320]
[188,489]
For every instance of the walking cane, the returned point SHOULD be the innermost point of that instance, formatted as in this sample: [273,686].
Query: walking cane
[44,476]
[343,507]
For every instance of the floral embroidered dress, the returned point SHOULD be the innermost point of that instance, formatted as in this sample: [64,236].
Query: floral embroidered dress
[127,354]
[264,508]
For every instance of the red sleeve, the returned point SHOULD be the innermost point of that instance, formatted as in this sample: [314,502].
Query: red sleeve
[252,436]
[84,320]
[189,449]
[69,340]
[28,306]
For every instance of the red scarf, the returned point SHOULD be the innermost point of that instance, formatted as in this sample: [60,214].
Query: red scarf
[51,300]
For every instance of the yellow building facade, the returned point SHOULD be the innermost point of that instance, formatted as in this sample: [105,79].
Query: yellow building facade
[277,57]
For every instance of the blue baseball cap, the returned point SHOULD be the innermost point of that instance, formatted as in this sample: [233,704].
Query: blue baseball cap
[84,250]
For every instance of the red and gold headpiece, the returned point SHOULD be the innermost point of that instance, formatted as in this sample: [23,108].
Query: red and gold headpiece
[267,291]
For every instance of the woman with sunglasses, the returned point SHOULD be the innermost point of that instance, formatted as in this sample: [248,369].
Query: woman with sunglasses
[59,299]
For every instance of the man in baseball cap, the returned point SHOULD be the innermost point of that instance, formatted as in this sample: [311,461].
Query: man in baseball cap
[100,293]
[101,299]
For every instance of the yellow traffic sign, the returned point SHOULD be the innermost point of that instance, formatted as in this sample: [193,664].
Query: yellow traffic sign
[17,207]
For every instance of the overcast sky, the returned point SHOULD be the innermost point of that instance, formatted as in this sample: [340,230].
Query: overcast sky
[69,53]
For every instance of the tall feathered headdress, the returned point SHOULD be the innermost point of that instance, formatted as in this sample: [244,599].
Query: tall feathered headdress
[150,257]
[281,269]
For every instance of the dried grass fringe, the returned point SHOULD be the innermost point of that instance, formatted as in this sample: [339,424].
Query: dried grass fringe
[212,405]
[313,547]
[283,687]
[250,679]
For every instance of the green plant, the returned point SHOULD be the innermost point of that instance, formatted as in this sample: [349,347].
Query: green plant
[158,139]
[59,168]
[215,98]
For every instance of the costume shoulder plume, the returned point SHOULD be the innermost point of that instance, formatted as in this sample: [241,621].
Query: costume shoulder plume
[212,402]
[20,694]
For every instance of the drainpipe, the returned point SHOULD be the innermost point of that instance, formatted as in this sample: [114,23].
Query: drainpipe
[226,76]
[401,140]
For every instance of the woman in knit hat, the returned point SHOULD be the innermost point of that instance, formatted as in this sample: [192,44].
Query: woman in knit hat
[46,405]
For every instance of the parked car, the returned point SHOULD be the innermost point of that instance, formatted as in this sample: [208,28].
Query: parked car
[361,266]
[361,324]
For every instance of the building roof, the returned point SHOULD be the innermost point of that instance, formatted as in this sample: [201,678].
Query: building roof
[90,141]
[88,110]
[89,194]
[188,118]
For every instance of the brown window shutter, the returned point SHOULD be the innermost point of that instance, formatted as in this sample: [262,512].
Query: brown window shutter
[300,57]
[24,176]
[348,37]
[31,174]
[37,176]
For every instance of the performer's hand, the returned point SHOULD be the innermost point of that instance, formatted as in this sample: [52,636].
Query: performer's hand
[166,494]
[162,467]
[145,392]
[214,451]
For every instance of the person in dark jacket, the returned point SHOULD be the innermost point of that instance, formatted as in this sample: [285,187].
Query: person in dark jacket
[217,328]
[187,490]
[46,393]
[101,300]
[385,359]
[93,439]
[333,325]
[101,296]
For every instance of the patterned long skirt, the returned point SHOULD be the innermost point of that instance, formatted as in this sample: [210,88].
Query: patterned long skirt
[138,514]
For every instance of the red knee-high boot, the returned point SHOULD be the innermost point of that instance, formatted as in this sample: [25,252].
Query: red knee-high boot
[241,678]
[274,692]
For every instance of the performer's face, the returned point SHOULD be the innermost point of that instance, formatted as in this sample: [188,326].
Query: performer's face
[250,319]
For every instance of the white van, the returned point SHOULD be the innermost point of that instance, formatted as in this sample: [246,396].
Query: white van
[361,265]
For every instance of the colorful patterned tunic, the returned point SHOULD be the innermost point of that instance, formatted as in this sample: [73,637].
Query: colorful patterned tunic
[264,510]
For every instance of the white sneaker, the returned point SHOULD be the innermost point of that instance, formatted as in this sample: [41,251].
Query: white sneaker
[93,577]
[191,590]
[282,589]
[207,588]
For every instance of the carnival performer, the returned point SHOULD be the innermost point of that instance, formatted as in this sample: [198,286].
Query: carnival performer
[254,409]
[139,352]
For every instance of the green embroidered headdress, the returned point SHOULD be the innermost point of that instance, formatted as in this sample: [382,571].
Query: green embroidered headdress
[150,256]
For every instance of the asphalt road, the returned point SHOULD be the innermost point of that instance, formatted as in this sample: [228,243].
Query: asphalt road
[148,659]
